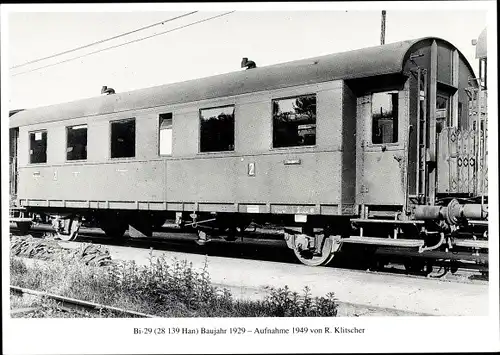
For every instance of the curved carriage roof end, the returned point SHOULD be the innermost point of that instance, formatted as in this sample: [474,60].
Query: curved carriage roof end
[481,45]
[13,112]
[365,62]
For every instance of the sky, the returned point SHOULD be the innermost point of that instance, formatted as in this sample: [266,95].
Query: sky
[209,48]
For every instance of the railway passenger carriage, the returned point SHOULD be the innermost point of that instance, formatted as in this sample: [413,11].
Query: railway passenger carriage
[355,147]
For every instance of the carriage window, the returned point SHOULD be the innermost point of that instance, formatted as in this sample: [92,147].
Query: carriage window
[38,147]
[443,110]
[76,142]
[165,134]
[385,117]
[483,73]
[441,102]
[294,121]
[459,118]
[123,139]
[217,129]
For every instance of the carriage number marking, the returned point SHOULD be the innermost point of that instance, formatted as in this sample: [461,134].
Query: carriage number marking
[251,169]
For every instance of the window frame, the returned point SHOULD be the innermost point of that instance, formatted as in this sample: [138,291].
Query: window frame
[309,146]
[111,136]
[447,97]
[233,105]
[370,125]
[159,134]
[86,149]
[46,146]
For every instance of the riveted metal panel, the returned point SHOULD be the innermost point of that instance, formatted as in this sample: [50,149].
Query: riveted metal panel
[123,180]
[225,179]
[349,105]
[56,203]
[217,207]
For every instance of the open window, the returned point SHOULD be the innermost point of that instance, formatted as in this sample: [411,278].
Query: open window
[76,142]
[123,138]
[217,129]
[294,121]
[384,117]
[38,147]
[165,136]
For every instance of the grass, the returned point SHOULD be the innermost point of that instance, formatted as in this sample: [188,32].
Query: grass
[162,288]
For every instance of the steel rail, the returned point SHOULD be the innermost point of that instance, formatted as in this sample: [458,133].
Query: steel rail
[79,304]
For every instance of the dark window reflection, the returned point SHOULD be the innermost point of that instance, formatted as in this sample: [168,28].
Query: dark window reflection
[217,129]
[441,102]
[385,117]
[123,139]
[38,147]
[294,121]
[76,138]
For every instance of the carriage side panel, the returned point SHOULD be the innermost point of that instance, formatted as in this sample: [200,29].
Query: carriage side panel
[349,103]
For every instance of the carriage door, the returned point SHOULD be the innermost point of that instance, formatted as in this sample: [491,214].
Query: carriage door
[380,149]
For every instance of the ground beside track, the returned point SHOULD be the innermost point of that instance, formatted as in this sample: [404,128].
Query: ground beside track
[247,278]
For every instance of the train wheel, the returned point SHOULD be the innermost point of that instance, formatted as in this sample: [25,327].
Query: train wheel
[158,222]
[116,231]
[70,228]
[230,234]
[113,224]
[309,259]
[24,227]
[414,266]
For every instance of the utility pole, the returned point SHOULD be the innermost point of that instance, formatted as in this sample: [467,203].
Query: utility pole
[382,30]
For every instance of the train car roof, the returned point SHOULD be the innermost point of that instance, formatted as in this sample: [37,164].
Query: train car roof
[481,45]
[13,112]
[379,60]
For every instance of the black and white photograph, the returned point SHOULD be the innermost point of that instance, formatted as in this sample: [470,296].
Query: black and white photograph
[250,177]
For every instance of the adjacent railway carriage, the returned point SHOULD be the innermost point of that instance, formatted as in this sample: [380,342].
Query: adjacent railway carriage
[382,146]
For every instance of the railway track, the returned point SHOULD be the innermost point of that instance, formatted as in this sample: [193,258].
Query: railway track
[383,289]
[66,304]
[270,246]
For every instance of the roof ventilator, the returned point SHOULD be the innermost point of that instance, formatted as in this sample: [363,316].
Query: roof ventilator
[249,64]
[106,90]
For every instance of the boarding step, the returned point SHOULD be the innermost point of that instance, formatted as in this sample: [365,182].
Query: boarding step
[20,219]
[408,243]
[478,223]
[388,221]
[433,254]
[471,243]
